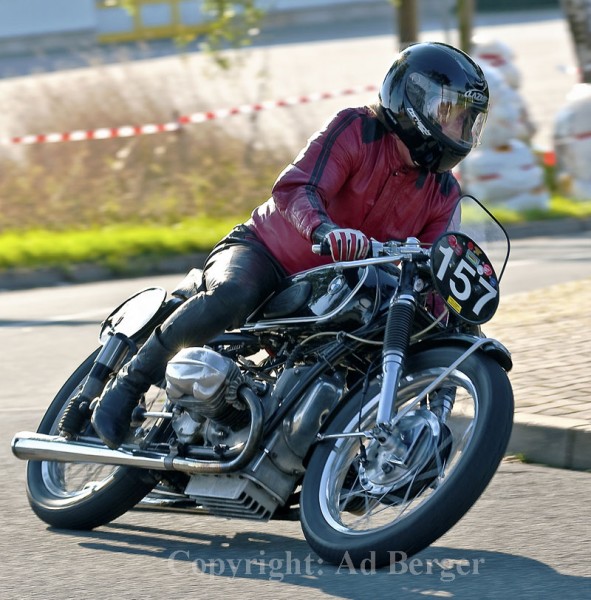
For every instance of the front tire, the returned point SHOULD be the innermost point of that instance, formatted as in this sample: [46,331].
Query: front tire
[348,513]
[80,496]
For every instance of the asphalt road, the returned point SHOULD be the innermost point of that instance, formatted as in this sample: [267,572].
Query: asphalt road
[541,261]
[526,537]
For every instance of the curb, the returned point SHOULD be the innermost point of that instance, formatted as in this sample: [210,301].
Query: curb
[142,266]
[549,227]
[553,441]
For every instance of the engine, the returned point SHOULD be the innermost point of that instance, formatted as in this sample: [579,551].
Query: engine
[202,385]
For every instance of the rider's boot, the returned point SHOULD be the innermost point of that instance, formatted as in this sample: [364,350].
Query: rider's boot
[112,415]
[196,321]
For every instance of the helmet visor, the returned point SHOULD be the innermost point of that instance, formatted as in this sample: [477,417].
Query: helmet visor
[460,117]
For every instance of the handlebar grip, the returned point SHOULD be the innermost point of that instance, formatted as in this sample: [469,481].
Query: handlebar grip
[323,249]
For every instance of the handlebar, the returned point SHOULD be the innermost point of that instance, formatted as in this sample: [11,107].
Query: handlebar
[395,249]
[320,249]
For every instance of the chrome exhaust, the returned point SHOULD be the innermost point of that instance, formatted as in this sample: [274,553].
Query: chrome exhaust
[27,445]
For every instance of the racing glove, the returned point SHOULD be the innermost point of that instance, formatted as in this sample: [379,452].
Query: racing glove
[346,244]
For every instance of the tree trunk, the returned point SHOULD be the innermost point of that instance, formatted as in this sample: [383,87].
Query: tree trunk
[408,23]
[465,18]
[578,14]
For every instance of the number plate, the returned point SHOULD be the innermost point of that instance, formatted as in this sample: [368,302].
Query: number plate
[464,277]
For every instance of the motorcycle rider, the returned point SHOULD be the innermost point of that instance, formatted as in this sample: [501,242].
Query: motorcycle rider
[379,171]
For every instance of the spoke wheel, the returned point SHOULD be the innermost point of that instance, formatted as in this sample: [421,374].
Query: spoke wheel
[82,495]
[393,496]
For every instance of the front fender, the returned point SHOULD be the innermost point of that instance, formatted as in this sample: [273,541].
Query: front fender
[493,348]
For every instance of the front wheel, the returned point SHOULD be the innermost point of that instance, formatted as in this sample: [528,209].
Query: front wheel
[80,495]
[387,500]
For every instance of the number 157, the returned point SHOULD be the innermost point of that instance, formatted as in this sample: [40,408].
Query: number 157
[465,274]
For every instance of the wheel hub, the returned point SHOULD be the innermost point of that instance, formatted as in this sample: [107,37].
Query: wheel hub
[408,450]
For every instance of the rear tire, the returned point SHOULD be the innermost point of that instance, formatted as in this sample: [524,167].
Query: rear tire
[340,533]
[103,493]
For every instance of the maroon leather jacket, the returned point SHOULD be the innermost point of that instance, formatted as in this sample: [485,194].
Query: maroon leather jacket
[351,174]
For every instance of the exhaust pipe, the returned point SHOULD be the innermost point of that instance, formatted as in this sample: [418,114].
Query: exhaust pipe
[27,445]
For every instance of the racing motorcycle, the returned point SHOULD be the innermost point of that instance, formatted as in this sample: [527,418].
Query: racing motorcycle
[362,398]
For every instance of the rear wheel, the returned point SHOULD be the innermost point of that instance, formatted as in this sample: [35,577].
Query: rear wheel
[82,495]
[386,500]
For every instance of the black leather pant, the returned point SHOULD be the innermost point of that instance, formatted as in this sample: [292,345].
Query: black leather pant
[239,275]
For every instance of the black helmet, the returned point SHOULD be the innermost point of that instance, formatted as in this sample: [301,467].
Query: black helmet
[435,98]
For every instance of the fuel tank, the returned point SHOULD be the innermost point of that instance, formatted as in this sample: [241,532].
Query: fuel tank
[335,294]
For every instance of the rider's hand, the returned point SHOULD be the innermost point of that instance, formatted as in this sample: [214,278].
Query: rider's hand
[347,244]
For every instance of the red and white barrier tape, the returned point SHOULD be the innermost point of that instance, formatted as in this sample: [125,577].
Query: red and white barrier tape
[104,133]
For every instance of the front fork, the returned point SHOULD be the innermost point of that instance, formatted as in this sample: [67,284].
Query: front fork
[396,342]
[401,316]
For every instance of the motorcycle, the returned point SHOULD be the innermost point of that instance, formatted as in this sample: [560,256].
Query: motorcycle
[362,398]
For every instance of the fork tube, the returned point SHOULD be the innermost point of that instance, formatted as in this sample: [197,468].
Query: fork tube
[397,336]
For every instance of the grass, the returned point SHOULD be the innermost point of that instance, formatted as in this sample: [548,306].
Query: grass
[560,208]
[107,201]
[113,245]
[110,246]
